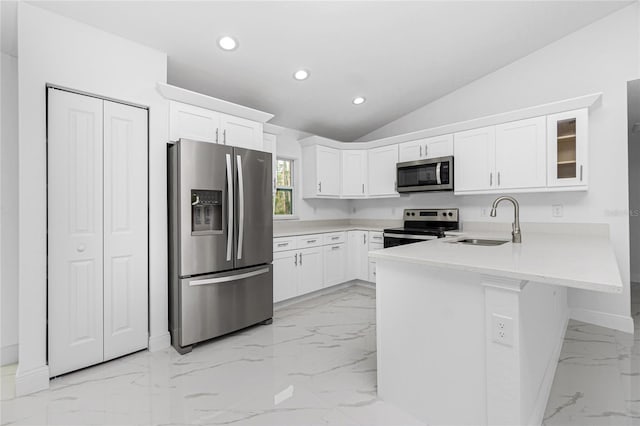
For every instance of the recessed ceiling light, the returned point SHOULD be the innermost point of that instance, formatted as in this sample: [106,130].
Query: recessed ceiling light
[358,100]
[301,75]
[227,43]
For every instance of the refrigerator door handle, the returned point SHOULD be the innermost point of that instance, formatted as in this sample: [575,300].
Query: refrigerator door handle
[240,206]
[229,278]
[230,207]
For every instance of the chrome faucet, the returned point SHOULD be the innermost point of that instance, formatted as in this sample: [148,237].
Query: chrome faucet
[516,235]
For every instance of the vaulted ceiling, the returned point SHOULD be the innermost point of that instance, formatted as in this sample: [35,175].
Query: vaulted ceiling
[398,55]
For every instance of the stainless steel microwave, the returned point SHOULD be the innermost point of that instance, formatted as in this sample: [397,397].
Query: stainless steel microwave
[433,174]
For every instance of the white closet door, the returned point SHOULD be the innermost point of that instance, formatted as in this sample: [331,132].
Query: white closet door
[75,265]
[125,230]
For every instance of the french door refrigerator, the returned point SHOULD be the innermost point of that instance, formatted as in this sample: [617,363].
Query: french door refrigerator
[220,240]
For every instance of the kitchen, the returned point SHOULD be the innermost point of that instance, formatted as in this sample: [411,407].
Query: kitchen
[598,55]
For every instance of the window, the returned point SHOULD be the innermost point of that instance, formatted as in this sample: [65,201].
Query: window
[283,205]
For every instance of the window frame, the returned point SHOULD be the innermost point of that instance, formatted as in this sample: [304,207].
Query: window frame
[293,189]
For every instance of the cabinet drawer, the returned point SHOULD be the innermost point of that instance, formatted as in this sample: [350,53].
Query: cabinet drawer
[375,246]
[312,240]
[284,243]
[375,237]
[334,238]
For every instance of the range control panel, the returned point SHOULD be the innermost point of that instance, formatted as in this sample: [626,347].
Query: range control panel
[431,215]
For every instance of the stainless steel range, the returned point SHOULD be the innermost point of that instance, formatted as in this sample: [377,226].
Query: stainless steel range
[422,225]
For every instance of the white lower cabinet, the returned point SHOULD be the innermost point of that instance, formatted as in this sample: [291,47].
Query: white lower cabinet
[335,262]
[285,275]
[97,266]
[307,263]
[311,266]
[376,242]
[358,265]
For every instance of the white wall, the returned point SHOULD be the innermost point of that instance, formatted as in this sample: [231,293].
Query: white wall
[601,57]
[57,50]
[634,180]
[9,214]
[287,146]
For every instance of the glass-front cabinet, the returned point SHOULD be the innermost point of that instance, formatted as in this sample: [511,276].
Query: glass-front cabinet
[567,140]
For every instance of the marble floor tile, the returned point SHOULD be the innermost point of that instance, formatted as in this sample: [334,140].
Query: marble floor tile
[315,365]
[597,380]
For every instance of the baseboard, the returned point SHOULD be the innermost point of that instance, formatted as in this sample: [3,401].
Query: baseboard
[9,354]
[159,342]
[367,284]
[303,297]
[603,319]
[539,407]
[32,381]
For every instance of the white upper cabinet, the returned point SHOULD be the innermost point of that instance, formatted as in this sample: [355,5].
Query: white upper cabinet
[521,154]
[192,122]
[240,132]
[320,172]
[382,170]
[354,173]
[567,140]
[269,143]
[437,146]
[474,159]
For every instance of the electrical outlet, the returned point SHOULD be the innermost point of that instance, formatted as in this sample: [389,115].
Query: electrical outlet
[556,210]
[502,329]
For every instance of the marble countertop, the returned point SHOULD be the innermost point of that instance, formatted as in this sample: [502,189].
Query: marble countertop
[321,229]
[577,261]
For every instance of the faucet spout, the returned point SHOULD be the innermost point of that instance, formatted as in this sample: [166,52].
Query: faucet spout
[516,235]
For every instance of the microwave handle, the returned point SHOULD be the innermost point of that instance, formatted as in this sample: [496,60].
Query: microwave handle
[438,178]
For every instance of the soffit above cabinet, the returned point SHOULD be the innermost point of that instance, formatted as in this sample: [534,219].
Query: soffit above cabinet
[179,94]
[587,101]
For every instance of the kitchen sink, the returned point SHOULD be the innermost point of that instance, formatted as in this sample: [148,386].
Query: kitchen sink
[480,242]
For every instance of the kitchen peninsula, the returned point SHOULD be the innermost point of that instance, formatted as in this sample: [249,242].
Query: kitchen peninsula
[471,334]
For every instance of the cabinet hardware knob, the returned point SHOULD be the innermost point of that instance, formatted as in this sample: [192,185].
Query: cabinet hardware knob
[296,260]
[81,248]
[319,186]
[490,179]
[224,136]
[580,173]
[498,178]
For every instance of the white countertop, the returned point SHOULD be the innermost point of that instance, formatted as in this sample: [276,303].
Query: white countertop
[578,261]
[321,229]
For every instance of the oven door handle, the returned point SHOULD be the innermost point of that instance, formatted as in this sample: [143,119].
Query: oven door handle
[411,237]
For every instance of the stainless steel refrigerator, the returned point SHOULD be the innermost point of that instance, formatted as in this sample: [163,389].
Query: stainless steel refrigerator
[220,240]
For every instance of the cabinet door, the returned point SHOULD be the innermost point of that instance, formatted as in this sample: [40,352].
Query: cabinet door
[328,171]
[335,258]
[410,151]
[75,231]
[438,146]
[125,230]
[372,271]
[358,267]
[240,132]
[474,159]
[192,122]
[521,154]
[382,170]
[269,143]
[567,140]
[311,270]
[354,173]
[285,275]
[373,246]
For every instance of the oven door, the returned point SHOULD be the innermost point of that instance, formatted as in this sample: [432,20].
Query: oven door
[435,174]
[393,240]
